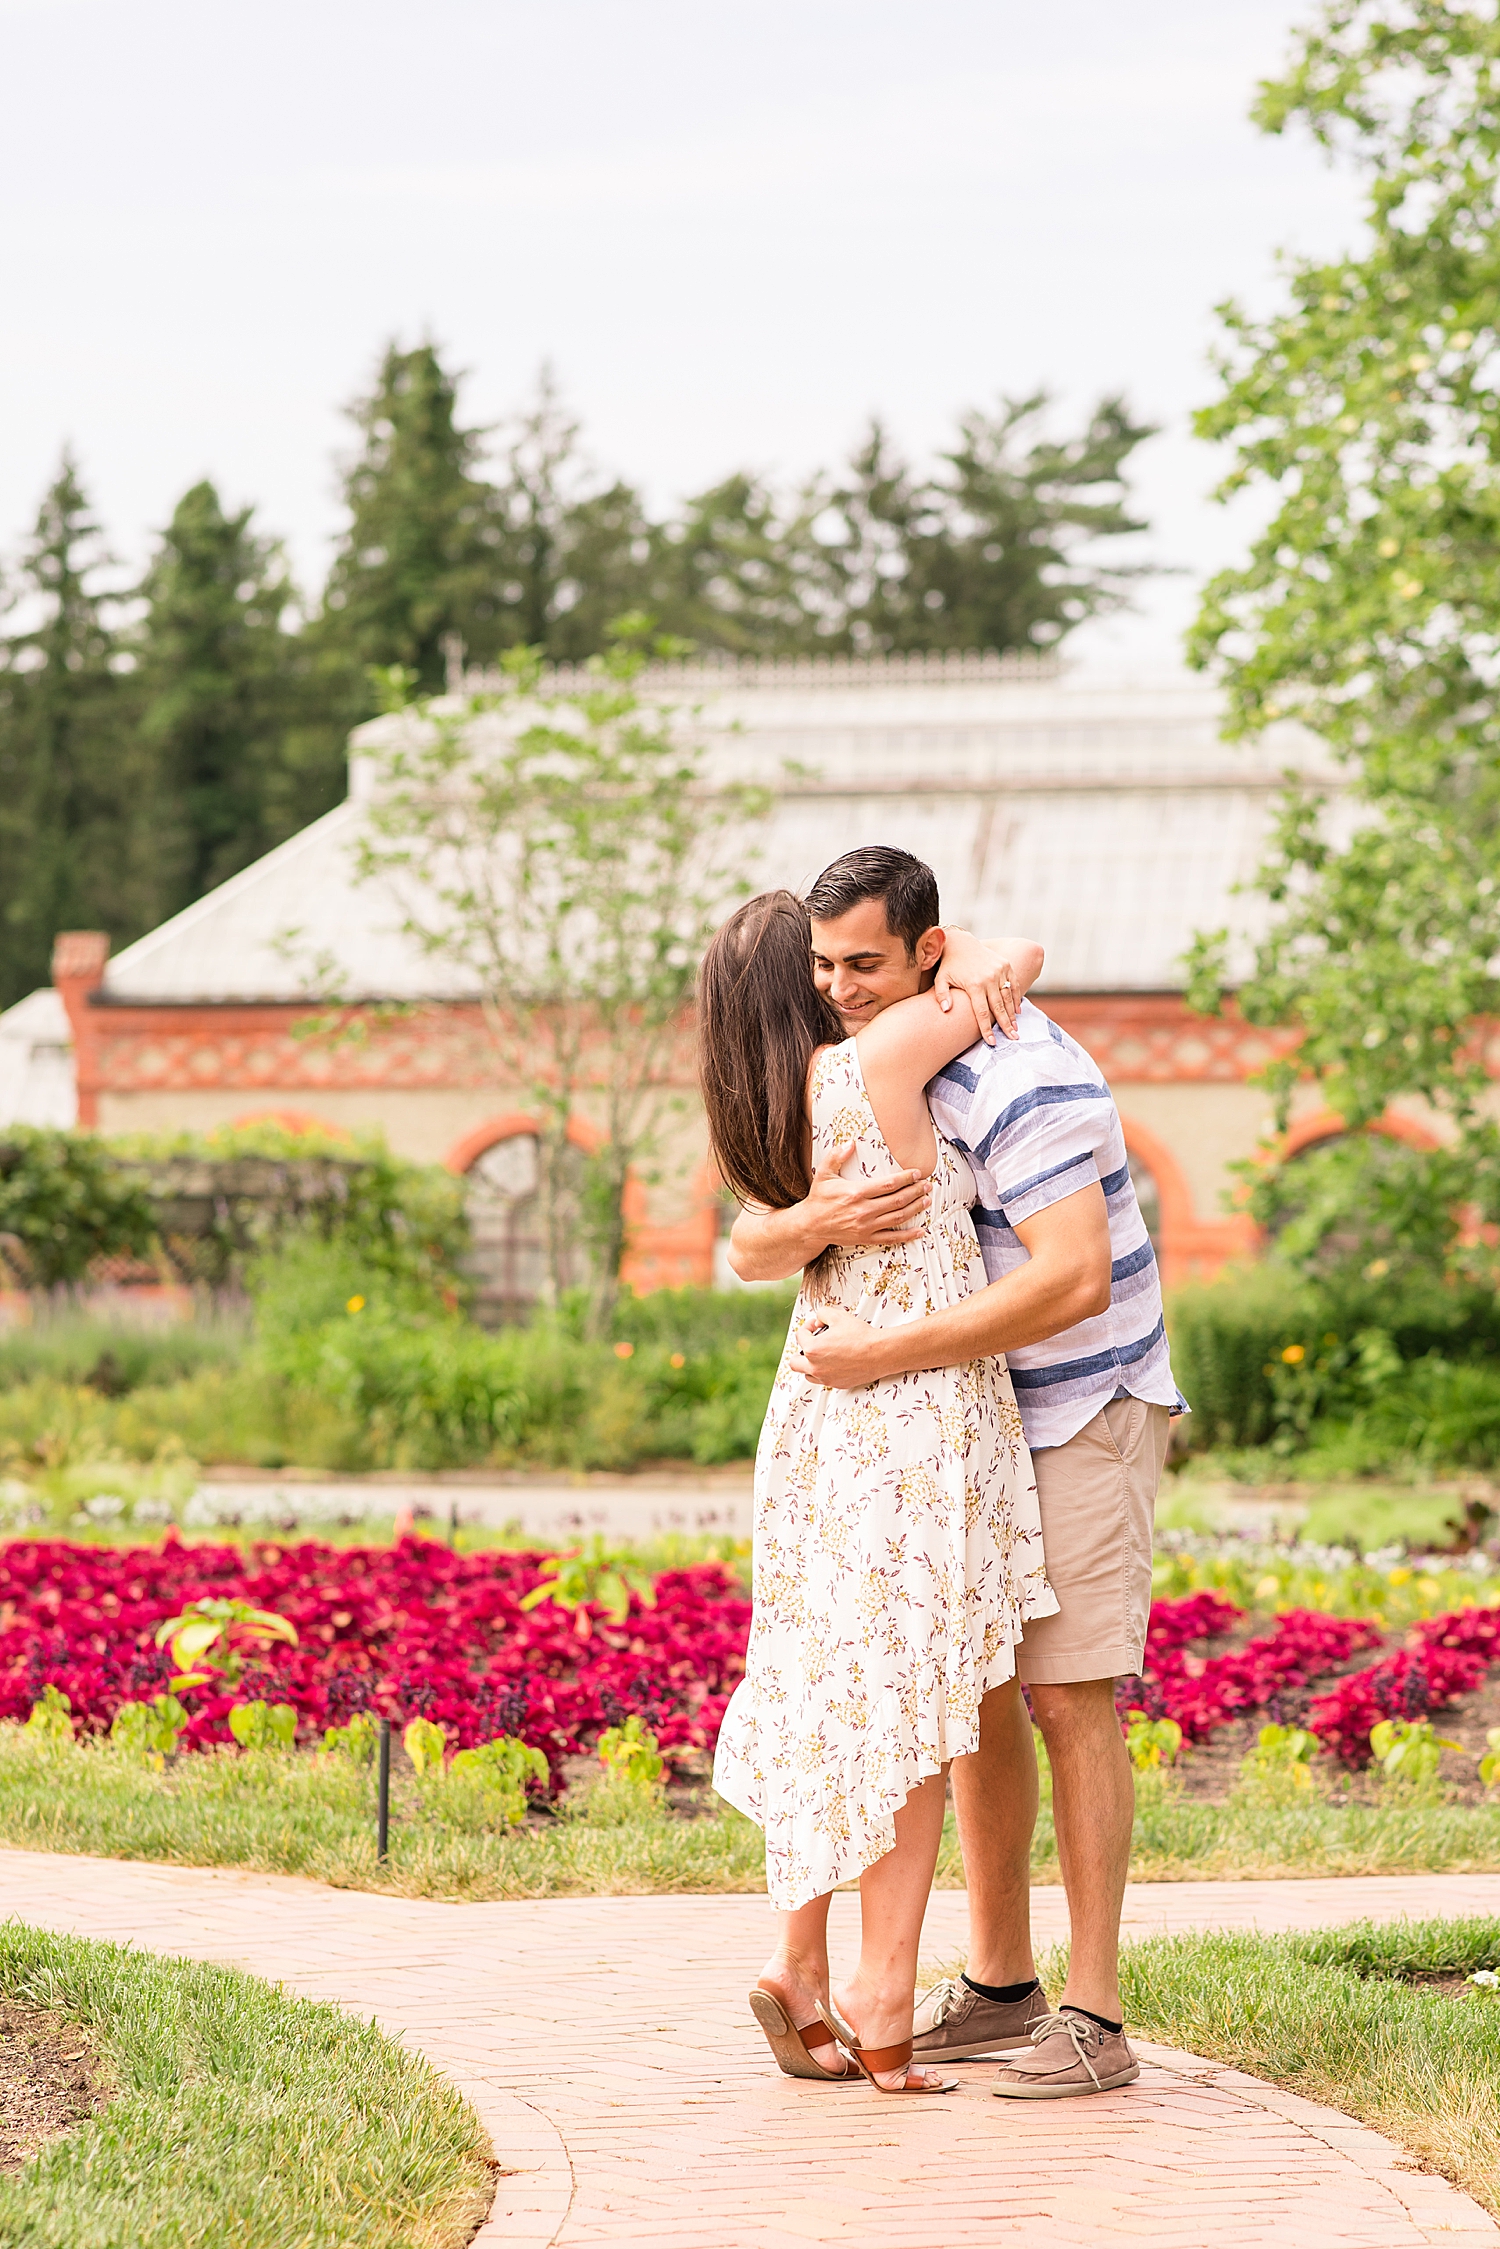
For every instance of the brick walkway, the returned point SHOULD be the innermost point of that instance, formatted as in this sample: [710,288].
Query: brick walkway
[606,2043]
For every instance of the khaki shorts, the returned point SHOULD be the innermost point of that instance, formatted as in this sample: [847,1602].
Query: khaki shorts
[1098,1502]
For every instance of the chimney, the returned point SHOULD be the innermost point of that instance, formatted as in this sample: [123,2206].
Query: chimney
[78,958]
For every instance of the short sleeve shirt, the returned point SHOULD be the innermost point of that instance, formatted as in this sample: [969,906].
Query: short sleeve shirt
[1037,1123]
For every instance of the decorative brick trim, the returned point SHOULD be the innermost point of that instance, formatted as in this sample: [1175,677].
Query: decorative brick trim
[1155,1039]
[466,1151]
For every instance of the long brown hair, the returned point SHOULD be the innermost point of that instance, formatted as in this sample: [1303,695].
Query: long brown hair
[760,1019]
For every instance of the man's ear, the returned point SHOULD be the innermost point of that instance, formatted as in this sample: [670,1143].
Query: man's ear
[930,948]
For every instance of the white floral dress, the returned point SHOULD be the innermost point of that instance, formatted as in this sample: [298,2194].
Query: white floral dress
[898,1547]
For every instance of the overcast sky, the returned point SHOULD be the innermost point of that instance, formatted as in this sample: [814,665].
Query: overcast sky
[736,232]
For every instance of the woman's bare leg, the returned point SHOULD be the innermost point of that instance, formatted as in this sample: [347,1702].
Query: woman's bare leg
[893,1893]
[797,1972]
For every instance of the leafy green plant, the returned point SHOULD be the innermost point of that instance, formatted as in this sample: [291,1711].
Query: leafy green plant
[629,1752]
[491,1782]
[603,1575]
[264,1725]
[210,1638]
[1278,1770]
[356,1741]
[149,1730]
[424,1742]
[51,1721]
[1152,1742]
[630,1787]
[1489,1764]
[1408,1751]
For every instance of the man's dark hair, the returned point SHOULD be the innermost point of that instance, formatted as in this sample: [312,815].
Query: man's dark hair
[905,886]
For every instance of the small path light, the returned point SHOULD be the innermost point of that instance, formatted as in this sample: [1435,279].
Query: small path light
[383,1796]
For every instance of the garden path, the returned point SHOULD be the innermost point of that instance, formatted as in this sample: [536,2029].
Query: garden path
[606,2043]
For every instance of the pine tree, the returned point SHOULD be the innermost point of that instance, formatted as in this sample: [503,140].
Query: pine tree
[421,558]
[75,841]
[575,554]
[218,678]
[741,570]
[998,565]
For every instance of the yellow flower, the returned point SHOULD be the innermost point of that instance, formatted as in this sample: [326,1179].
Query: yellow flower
[1397,1577]
[355,1304]
[1294,1354]
[1267,1589]
[677,1359]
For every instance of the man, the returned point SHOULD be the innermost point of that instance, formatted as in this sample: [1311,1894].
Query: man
[1075,1304]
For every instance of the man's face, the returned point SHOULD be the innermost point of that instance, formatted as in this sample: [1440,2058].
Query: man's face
[862,968]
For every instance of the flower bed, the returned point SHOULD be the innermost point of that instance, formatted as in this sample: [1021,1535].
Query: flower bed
[1443,1657]
[417,1631]
[406,1631]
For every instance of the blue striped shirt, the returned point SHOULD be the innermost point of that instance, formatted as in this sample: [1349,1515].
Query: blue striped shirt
[1036,1122]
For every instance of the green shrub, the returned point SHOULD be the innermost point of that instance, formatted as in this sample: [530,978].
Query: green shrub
[111,1358]
[1359,1373]
[264,1725]
[230,1199]
[704,1319]
[1225,1333]
[64,1200]
[149,1730]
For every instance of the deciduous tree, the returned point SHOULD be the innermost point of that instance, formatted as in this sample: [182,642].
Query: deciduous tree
[563,850]
[1366,411]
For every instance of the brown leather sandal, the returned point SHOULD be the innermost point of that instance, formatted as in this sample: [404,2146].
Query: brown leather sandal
[869,2060]
[794,2056]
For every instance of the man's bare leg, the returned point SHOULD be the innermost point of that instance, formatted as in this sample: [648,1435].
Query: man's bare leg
[1093,1810]
[995,1800]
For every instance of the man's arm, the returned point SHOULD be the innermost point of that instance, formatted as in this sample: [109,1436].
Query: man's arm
[1067,1279]
[773,1245]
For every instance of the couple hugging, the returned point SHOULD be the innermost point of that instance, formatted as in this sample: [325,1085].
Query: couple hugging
[956,1479]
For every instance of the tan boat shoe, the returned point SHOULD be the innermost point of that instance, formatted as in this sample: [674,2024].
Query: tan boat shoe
[1069,2054]
[955,2024]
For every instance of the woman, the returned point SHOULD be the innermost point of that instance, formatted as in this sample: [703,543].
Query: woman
[898,1545]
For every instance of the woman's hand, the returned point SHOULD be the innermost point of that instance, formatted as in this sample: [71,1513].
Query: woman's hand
[995,988]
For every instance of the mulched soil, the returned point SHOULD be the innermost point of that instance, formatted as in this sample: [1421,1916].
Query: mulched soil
[51,2079]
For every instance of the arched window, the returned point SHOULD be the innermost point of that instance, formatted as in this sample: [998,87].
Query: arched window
[505,1222]
[509,1256]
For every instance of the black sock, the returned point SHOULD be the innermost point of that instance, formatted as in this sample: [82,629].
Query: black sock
[1102,2020]
[1004,1994]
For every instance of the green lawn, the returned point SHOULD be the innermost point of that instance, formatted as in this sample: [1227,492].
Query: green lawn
[1362,2019]
[315,1817]
[242,2118]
